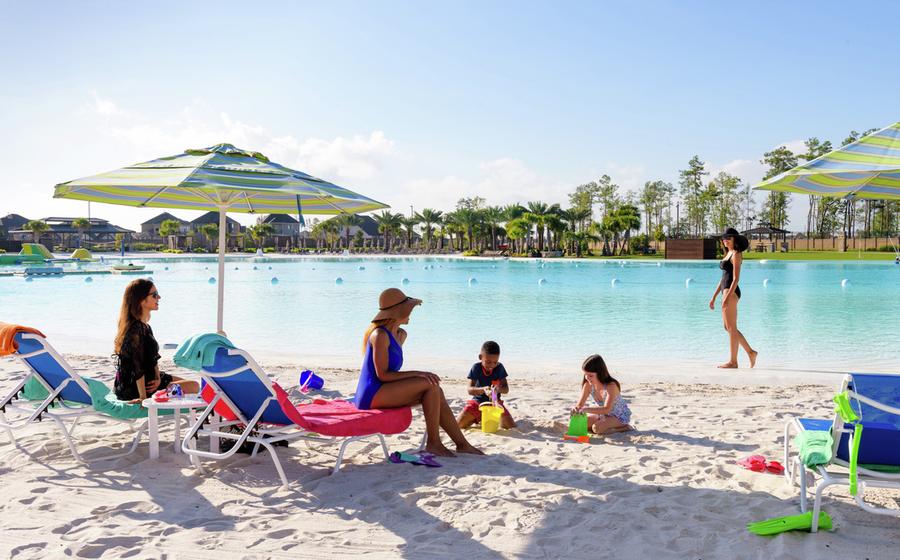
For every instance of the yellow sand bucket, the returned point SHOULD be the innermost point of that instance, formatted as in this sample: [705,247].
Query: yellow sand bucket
[490,418]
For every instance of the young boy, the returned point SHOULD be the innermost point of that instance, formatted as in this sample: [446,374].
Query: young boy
[488,372]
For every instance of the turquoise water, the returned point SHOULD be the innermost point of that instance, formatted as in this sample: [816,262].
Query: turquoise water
[804,318]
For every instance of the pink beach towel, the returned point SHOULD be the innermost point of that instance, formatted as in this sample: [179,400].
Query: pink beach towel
[342,418]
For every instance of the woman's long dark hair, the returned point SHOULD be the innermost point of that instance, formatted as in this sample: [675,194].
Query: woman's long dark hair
[595,364]
[130,312]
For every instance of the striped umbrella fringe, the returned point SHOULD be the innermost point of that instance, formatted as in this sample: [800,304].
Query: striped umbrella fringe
[867,168]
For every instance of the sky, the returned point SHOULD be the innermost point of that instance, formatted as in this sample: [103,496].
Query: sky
[423,103]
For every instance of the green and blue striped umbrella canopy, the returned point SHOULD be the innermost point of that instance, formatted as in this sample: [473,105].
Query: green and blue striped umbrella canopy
[217,177]
[867,168]
[222,178]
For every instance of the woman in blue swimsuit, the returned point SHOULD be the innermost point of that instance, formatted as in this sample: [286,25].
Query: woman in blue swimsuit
[735,244]
[383,385]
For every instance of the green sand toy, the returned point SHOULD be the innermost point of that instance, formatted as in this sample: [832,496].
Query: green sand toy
[578,428]
[802,522]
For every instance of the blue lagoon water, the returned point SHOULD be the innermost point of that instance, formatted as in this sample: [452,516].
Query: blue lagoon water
[544,314]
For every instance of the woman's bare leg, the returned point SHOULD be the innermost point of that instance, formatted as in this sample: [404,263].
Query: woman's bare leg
[735,336]
[450,425]
[413,391]
[187,387]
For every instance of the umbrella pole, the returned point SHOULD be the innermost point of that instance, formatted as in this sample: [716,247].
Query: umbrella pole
[221,283]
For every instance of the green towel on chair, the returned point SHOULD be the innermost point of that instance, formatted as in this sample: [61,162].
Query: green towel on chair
[815,447]
[104,398]
[200,350]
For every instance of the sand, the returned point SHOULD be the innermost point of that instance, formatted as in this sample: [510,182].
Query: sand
[670,489]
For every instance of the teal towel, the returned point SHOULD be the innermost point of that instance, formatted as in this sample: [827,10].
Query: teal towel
[199,350]
[815,447]
[104,400]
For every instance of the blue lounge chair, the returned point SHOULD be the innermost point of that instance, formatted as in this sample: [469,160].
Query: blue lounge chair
[263,415]
[875,403]
[52,389]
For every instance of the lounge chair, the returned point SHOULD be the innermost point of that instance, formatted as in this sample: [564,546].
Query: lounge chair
[263,415]
[872,402]
[52,389]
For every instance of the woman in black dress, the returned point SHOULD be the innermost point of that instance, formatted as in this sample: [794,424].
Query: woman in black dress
[735,244]
[137,352]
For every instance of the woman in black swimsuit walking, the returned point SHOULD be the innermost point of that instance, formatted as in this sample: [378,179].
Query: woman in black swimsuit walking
[735,244]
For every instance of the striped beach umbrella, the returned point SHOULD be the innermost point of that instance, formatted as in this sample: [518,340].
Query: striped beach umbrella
[867,168]
[221,178]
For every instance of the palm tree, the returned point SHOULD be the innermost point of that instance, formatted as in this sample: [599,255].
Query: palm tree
[518,229]
[429,217]
[581,239]
[37,228]
[211,232]
[260,232]
[388,223]
[629,220]
[170,228]
[492,216]
[467,219]
[81,225]
[347,221]
[538,213]
[409,223]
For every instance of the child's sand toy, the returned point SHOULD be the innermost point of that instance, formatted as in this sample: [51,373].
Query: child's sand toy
[578,429]
[490,418]
[491,413]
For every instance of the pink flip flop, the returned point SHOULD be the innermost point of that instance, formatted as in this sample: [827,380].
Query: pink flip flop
[775,467]
[755,463]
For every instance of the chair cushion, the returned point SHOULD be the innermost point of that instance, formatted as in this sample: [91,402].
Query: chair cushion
[342,418]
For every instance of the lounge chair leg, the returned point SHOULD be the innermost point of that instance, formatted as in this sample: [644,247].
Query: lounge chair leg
[384,447]
[817,505]
[68,439]
[803,490]
[9,431]
[74,424]
[424,441]
[271,450]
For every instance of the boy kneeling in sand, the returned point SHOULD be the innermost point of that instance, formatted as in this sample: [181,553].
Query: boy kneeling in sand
[486,374]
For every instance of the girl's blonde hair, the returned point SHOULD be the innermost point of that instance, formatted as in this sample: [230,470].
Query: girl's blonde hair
[372,326]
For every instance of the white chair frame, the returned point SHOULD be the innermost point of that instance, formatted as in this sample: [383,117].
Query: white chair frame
[54,407]
[795,469]
[255,431]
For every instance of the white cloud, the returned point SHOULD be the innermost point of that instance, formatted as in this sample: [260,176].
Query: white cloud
[197,125]
[500,181]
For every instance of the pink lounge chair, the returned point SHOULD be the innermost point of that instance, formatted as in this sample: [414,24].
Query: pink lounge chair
[241,392]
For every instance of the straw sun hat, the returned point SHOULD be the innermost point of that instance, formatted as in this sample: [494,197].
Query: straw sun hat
[394,304]
[741,243]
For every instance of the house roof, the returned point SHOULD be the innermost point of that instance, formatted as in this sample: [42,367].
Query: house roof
[12,221]
[64,225]
[369,225]
[163,217]
[280,219]
[765,230]
[213,218]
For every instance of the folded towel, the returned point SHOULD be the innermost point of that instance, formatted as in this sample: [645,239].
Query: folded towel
[8,343]
[199,350]
[815,447]
[103,400]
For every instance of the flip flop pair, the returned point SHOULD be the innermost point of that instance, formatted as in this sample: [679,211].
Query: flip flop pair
[426,459]
[758,463]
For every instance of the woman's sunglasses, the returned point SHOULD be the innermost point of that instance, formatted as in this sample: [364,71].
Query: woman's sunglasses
[155,295]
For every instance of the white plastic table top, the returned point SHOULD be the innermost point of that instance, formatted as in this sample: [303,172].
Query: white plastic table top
[187,402]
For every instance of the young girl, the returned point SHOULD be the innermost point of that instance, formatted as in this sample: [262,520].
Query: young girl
[611,414]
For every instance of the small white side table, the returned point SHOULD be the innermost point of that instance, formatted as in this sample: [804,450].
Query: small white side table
[188,402]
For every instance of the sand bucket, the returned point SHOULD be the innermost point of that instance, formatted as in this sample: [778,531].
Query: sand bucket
[309,380]
[577,425]
[490,418]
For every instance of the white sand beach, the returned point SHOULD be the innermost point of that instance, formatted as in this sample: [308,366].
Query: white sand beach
[670,489]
